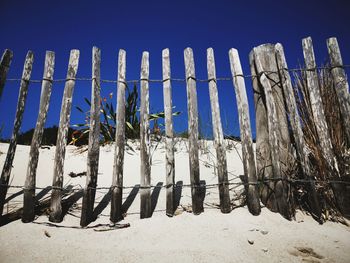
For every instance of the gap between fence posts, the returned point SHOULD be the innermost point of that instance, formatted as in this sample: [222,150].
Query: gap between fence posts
[246,133]
[5,64]
[219,143]
[30,182]
[57,184]
[192,108]
[169,135]
[278,135]
[146,206]
[94,141]
[22,97]
[117,181]
[316,104]
[341,83]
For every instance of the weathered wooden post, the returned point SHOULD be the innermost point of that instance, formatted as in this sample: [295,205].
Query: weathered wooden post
[22,97]
[316,103]
[219,143]
[169,135]
[30,183]
[192,108]
[5,63]
[246,133]
[341,83]
[295,124]
[94,141]
[117,183]
[146,207]
[57,184]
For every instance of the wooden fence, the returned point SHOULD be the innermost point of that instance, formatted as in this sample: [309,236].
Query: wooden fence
[274,130]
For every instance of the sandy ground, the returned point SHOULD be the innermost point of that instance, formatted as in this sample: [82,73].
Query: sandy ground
[209,237]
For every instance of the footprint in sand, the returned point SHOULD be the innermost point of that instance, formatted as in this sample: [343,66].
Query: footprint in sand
[307,254]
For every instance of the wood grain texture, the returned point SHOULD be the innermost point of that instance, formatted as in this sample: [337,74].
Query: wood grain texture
[273,127]
[341,83]
[219,143]
[192,108]
[146,209]
[316,103]
[118,166]
[30,182]
[295,123]
[169,135]
[94,142]
[5,64]
[66,106]
[246,133]
[22,97]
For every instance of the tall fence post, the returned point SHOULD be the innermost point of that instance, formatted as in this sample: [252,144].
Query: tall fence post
[246,133]
[341,83]
[22,97]
[316,103]
[117,183]
[94,141]
[295,124]
[273,128]
[192,108]
[169,135]
[219,143]
[146,207]
[57,184]
[5,63]
[30,182]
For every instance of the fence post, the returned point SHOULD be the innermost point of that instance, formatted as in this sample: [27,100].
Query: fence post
[273,128]
[219,143]
[295,123]
[169,134]
[246,133]
[5,63]
[30,183]
[146,208]
[94,143]
[192,108]
[57,184]
[117,183]
[341,83]
[316,103]
[22,96]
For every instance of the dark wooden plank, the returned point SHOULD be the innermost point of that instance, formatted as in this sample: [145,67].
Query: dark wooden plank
[316,103]
[294,119]
[22,96]
[246,133]
[274,140]
[219,143]
[30,183]
[117,183]
[94,142]
[5,63]
[341,83]
[169,135]
[57,184]
[192,108]
[146,208]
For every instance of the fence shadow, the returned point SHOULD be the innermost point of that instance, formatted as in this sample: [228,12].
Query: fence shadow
[131,197]
[155,195]
[68,203]
[13,196]
[178,194]
[102,205]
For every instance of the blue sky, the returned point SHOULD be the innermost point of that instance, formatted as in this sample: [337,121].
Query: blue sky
[137,26]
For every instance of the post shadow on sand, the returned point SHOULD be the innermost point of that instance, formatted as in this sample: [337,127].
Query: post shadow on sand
[155,195]
[68,202]
[39,209]
[177,194]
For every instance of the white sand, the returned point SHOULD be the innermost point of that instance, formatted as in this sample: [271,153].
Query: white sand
[209,237]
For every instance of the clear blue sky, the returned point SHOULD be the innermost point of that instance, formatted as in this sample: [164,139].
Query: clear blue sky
[153,25]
